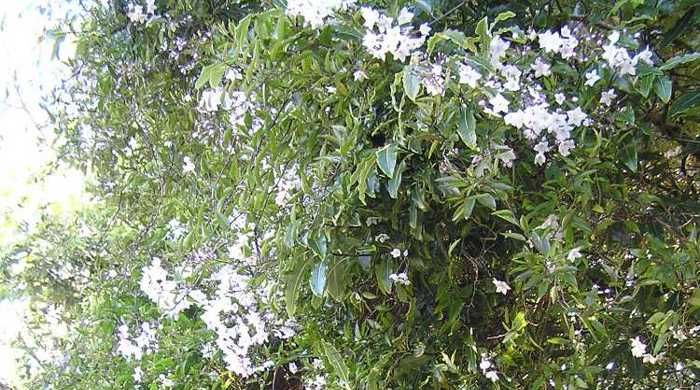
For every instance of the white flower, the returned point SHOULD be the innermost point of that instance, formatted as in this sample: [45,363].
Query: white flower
[540,158]
[567,47]
[505,155]
[395,253]
[515,119]
[211,99]
[565,32]
[512,75]
[541,68]
[501,286]
[383,36]
[382,237]
[424,29]
[607,97]
[649,358]
[627,67]
[498,48]
[405,16]
[645,56]
[293,368]
[499,103]
[638,347]
[138,374]
[542,147]
[592,77]
[167,382]
[199,297]
[187,165]
[550,41]
[485,364]
[574,254]
[469,76]
[400,278]
[576,116]
[434,82]
[560,98]
[566,146]
[150,6]
[360,75]
[371,16]
[233,74]
[135,14]
[316,12]
[491,375]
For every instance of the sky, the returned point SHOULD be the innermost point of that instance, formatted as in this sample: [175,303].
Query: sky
[27,71]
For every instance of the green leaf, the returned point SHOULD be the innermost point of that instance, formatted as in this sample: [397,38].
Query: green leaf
[411,82]
[211,74]
[395,181]
[469,207]
[293,283]
[684,103]
[663,88]
[507,215]
[540,243]
[680,60]
[318,278]
[486,200]
[504,16]
[425,5]
[335,285]
[334,358]
[645,84]
[386,159]
[467,127]
[382,270]
[482,31]
[629,157]
[694,299]
[203,78]
[681,26]
[319,245]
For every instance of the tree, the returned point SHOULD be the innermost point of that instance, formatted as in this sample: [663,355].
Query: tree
[428,194]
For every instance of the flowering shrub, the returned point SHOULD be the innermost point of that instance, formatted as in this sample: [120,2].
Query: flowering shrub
[346,194]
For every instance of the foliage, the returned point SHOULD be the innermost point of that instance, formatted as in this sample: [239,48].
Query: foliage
[299,195]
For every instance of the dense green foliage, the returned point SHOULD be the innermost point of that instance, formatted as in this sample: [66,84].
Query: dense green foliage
[326,174]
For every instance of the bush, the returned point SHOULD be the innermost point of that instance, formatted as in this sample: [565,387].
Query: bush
[429,194]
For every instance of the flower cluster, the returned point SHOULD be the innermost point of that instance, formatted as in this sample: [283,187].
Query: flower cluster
[501,286]
[138,15]
[170,298]
[317,12]
[144,343]
[386,35]
[320,380]
[233,314]
[286,185]
[492,157]
[563,43]
[488,369]
[400,278]
[512,89]
[619,59]
[237,103]
[639,350]
[175,228]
